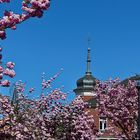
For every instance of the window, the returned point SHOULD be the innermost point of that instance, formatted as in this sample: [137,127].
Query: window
[102,124]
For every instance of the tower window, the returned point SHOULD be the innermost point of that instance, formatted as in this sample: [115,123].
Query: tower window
[102,124]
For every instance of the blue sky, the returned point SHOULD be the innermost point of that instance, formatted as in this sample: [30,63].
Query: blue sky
[59,40]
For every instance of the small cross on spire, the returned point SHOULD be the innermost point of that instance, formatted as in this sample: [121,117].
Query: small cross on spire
[89,41]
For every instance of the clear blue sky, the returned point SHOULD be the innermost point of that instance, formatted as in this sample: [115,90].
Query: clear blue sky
[59,40]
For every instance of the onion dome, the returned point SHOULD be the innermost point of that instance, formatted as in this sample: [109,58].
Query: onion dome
[87,83]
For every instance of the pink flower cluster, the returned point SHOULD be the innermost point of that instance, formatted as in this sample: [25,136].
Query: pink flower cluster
[2,1]
[45,118]
[6,71]
[31,8]
[5,83]
[20,86]
[2,34]
[119,104]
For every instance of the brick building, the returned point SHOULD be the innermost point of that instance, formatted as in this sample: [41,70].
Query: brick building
[86,89]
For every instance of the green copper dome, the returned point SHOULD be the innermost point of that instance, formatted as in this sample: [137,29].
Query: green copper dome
[86,83]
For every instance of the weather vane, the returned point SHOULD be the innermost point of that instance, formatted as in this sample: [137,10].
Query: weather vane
[89,40]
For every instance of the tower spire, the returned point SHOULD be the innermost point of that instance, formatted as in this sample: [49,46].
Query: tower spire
[88,72]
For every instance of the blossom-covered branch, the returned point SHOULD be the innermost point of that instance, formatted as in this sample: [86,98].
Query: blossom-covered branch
[31,8]
[7,70]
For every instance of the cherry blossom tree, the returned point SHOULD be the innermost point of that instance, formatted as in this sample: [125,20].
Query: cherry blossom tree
[119,104]
[30,8]
[48,117]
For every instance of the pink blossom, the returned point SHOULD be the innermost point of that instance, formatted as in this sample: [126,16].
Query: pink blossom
[1,69]
[1,1]
[31,90]
[1,76]
[9,72]
[5,83]
[10,65]
[0,49]
[2,34]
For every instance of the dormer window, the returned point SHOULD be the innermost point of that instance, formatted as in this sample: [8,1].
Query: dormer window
[102,124]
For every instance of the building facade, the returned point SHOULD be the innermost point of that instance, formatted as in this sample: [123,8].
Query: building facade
[86,89]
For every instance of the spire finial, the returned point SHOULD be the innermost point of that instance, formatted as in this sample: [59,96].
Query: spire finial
[89,41]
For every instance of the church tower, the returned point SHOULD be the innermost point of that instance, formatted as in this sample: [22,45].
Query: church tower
[86,84]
